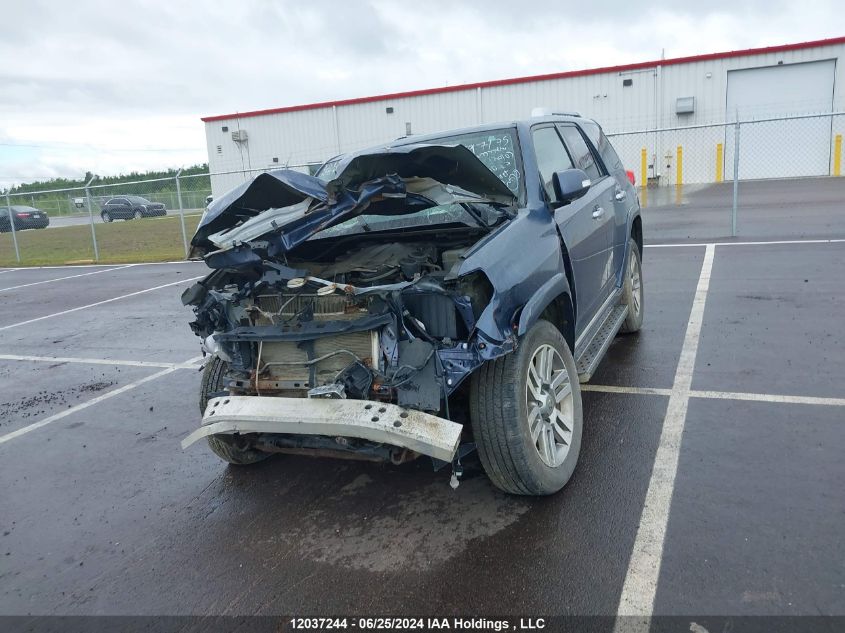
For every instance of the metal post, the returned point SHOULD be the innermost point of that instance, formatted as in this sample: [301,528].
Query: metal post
[91,219]
[736,177]
[181,214]
[12,225]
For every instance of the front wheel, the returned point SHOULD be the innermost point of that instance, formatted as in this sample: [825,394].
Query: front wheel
[526,414]
[106,216]
[139,214]
[632,291]
[233,449]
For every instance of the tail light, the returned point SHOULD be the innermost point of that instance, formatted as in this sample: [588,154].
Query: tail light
[631,178]
[23,215]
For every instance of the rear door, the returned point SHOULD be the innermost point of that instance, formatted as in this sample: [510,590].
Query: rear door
[583,234]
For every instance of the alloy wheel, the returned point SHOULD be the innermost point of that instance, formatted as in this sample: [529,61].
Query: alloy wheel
[548,393]
[636,282]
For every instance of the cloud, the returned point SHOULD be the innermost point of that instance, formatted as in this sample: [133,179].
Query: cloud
[139,74]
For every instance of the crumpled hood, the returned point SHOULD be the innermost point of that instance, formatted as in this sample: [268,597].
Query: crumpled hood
[305,204]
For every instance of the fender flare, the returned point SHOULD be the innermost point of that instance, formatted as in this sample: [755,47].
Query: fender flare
[555,286]
[633,214]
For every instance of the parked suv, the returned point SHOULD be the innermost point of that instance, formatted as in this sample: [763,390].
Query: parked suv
[129,207]
[438,295]
[24,218]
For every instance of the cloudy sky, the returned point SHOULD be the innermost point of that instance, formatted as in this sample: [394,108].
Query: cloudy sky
[114,87]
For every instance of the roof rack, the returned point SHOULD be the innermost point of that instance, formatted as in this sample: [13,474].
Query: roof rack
[538,112]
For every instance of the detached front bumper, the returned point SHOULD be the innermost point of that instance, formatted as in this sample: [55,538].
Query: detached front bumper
[374,421]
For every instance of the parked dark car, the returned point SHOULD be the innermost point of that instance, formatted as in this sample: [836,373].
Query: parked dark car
[435,296]
[131,207]
[24,218]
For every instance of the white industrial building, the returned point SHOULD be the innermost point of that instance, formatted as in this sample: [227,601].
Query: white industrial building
[628,100]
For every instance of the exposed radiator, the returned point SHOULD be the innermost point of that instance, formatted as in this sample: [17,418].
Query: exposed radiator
[364,345]
[276,308]
[329,307]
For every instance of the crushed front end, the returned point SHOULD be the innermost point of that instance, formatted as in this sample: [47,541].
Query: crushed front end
[337,317]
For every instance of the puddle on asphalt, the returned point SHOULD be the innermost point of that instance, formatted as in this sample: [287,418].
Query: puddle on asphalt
[416,530]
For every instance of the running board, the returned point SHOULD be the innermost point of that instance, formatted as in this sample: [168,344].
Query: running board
[588,358]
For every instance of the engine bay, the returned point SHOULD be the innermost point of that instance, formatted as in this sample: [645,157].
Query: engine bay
[356,318]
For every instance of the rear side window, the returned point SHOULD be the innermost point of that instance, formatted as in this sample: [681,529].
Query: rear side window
[581,154]
[605,149]
[551,156]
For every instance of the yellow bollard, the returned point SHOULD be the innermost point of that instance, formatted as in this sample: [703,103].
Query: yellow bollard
[837,155]
[644,169]
[720,162]
[644,177]
[679,171]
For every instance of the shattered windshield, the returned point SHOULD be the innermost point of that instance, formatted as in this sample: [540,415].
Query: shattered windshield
[495,148]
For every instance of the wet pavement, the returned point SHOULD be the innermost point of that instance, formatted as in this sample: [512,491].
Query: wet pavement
[101,512]
[801,208]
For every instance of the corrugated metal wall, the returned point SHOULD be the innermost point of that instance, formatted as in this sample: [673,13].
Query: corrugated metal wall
[313,135]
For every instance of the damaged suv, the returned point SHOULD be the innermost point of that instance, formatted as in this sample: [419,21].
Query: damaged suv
[434,296]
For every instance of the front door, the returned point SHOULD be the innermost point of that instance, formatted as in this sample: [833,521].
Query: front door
[584,223]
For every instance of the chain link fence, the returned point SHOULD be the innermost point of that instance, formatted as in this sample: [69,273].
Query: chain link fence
[692,178]
[142,220]
[685,176]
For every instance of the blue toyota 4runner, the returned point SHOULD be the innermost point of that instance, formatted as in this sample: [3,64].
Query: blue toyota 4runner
[429,297]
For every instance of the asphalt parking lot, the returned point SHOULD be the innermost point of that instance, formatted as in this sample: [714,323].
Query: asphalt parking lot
[711,480]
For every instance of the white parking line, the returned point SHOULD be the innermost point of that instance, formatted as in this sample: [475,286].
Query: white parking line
[697,244]
[47,281]
[766,397]
[718,395]
[640,391]
[97,361]
[177,261]
[88,403]
[685,245]
[640,587]
[98,303]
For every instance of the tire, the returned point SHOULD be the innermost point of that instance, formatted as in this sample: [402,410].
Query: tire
[500,397]
[633,295]
[106,216]
[235,450]
[139,214]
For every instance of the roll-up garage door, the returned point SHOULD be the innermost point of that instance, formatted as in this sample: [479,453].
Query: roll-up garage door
[788,148]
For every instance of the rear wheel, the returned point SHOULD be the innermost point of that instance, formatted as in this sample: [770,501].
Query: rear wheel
[632,291]
[106,216]
[526,414]
[233,449]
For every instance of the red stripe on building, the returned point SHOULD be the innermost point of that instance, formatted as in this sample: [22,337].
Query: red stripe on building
[519,80]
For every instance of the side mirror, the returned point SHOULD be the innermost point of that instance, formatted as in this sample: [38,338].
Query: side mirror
[569,185]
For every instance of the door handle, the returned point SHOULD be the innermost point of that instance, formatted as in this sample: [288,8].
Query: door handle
[597,213]
[620,195]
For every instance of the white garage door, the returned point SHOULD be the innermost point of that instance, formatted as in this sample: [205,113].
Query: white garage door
[781,149]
